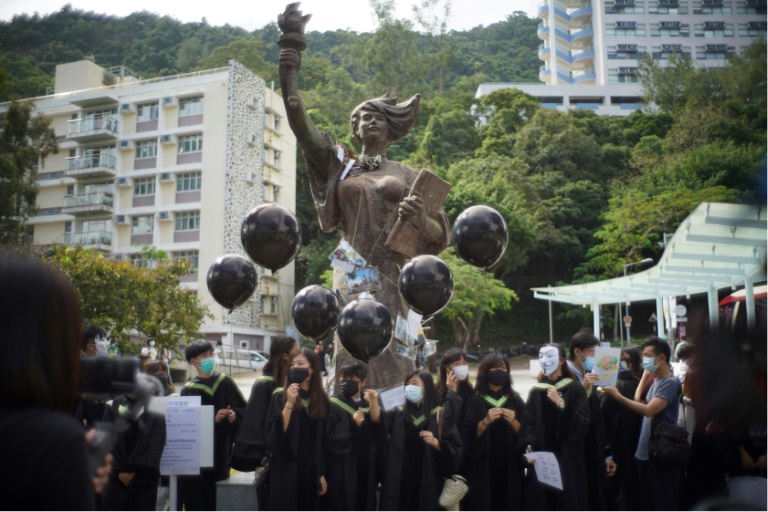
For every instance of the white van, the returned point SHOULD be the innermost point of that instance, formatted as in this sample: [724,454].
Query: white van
[243,359]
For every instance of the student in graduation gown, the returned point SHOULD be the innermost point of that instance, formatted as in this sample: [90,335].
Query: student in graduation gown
[453,386]
[424,448]
[491,451]
[250,446]
[597,455]
[622,427]
[296,436]
[216,389]
[556,419]
[137,451]
[355,434]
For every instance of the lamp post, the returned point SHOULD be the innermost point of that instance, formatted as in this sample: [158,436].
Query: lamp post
[626,266]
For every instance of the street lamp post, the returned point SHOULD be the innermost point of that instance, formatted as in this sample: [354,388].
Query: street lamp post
[626,266]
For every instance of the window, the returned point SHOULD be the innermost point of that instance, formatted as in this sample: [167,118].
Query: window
[143,186]
[191,106]
[266,120]
[752,29]
[714,29]
[265,155]
[191,143]
[273,304]
[146,149]
[187,221]
[625,29]
[143,225]
[138,261]
[276,158]
[278,118]
[147,112]
[191,257]
[189,181]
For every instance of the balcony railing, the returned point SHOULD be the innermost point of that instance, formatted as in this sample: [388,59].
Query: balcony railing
[94,201]
[92,127]
[91,166]
[103,238]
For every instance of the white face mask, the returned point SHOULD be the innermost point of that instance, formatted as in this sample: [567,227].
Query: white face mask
[549,360]
[461,372]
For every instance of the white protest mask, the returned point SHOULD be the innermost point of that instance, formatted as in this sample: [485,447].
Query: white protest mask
[549,359]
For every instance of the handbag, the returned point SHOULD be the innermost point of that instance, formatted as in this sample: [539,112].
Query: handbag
[669,442]
[455,486]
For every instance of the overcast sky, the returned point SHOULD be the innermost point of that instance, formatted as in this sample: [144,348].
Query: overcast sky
[354,15]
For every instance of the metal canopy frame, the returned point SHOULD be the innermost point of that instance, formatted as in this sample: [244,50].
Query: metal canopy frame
[719,245]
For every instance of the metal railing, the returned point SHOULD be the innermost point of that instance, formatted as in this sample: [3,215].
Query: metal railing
[91,124]
[87,238]
[91,161]
[89,199]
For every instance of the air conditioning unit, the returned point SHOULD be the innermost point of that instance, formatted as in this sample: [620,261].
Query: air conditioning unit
[253,140]
[127,108]
[163,216]
[122,219]
[166,176]
[167,139]
[53,176]
[123,182]
[126,145]
[170,101]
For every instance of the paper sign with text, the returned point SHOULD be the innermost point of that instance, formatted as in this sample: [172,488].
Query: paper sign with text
[547,468]
[606,365]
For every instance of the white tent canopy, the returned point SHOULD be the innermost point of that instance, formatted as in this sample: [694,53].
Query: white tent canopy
[718,246]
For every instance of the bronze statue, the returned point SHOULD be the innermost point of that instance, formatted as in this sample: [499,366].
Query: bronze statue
[364,194]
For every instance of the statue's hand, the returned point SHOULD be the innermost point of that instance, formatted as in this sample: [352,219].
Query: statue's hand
[289,59]
[412,209]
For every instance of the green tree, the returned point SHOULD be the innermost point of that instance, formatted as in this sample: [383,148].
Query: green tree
[25,142]
[248,52]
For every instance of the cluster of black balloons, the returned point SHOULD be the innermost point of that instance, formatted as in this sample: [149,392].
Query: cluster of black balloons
[426,285]
[271,236]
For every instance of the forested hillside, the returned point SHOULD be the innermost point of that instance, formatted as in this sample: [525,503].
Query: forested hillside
[582,194]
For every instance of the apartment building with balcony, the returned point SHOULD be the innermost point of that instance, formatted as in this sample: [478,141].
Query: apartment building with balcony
[590,48]
[173,162]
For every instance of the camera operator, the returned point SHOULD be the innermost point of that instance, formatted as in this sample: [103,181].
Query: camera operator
[46,463]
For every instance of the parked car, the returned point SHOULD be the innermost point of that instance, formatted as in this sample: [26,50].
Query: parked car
[243,359]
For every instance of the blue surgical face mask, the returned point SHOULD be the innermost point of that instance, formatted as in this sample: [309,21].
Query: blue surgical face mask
[589,364]
[413,394]
[648,364]
[207,365]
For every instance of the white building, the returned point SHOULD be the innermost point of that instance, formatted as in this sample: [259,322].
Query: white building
[175,163]
[591,48]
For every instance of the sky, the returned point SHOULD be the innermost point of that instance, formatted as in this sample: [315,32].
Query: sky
[355,15]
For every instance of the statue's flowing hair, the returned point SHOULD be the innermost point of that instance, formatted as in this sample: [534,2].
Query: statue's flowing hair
[400,116]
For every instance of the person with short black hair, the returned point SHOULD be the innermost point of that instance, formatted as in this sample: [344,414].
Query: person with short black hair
[95,341]
[660,483]
[355,434]
[220,391]
[556,419]
[88,410]
[492,456]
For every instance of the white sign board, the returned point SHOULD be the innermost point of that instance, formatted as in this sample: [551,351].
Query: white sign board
[606,365]
[189,435]
[393,398]
[547,468]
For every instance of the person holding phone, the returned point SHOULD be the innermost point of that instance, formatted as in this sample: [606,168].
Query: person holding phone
[493,457]
[453,386]
[296,435]
[424,448]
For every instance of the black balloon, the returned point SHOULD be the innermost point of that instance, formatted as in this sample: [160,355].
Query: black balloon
[365,328]
[315,311]
[231,280]
[271,235]
[426,284]
[480,236]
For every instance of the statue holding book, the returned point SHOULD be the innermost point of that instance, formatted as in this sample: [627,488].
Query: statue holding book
[386,220]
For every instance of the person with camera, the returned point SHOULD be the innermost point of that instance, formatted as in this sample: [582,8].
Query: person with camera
[355,435]
[46,464]
[660,481]
[216,389]
[296,436]
[89,410]
[250,451]
[493,457]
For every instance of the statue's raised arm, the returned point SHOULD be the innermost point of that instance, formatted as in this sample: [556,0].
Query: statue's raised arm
[292,23]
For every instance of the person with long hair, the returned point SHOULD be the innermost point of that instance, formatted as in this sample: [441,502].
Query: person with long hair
[355,435]
[46,462]
[493,457]
[424,448]
[296,436]
[250,446]
[622,427]
[453,386]
[556,419]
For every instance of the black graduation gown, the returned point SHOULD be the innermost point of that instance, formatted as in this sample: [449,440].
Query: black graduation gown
[622,426]
[548,428]
[351,456]
[137,450]
[297,458]
[494,461]
[220,391]
[595,445]
[414,472]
